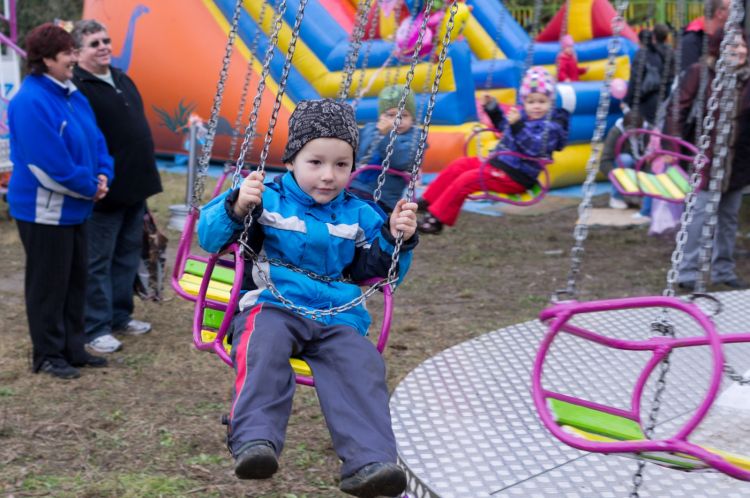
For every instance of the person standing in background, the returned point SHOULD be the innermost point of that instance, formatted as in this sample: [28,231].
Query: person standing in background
[116,225]
[60,168]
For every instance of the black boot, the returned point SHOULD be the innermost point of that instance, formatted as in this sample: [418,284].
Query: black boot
[256,460]
[375,479]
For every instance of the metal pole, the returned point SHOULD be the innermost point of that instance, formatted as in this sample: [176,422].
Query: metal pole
[192,162]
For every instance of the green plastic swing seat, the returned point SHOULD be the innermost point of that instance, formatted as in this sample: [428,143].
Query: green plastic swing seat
[219,289]
[596,425]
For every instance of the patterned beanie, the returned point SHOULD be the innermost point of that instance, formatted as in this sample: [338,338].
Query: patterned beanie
[390,98]
[326,118]
[537,80]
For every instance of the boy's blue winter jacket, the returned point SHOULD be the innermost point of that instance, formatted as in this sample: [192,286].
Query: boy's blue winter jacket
[372,148]
[347,237]
[57,152]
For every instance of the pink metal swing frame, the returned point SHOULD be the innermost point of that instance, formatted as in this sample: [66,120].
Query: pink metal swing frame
[217,344]
[558,317]
[488,195]
[650,156]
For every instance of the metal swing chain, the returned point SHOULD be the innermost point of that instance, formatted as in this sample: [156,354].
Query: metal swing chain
[580,232]
[228,166]
[350,63]
[719,94]
[677,65]
[495,48]
[386,164]
[213,121]
[392,273]
[252,124]
[535,19]
[365,61]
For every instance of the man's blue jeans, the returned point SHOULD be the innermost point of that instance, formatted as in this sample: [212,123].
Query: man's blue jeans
[114,250]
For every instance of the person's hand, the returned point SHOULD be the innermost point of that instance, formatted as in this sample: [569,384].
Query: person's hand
[513,115]
[404,219]
[385,124]
[101,188]
[251,193]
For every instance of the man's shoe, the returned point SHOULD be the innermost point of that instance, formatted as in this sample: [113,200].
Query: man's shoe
[105,344]
[375,479]
[688,285]
[256,460]
[736,283]
[89,360]
[134,327]
[59,368]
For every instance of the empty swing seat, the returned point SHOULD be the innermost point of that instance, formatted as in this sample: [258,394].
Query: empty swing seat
[596,425]
[670,186]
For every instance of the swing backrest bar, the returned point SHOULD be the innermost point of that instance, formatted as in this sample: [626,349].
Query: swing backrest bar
[559,315]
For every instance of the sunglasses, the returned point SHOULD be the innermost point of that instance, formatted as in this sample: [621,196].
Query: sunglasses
[96,43]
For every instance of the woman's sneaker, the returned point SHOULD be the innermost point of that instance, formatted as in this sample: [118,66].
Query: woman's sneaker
[615,203]
[134,327]
[105,344]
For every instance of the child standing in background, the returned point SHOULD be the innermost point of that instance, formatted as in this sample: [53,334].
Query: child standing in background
[567,62]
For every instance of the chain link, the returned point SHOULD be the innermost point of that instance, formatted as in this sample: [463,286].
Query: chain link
[252,124]
[721,99]
[392,277]
[580,232]
[358,93]
[229,166]
[213,122]
[363,13]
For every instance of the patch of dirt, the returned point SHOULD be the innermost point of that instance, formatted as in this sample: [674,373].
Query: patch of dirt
[149,424]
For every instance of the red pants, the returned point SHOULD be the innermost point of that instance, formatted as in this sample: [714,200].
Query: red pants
[446,194]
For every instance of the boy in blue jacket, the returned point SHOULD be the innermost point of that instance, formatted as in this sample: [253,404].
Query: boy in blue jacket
[374,139]
[306,220]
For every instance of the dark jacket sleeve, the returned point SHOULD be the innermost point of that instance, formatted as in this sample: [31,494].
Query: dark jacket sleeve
[374,261]
[495,113]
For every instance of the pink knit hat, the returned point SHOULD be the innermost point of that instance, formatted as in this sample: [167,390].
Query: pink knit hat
[566,41]
[537,80]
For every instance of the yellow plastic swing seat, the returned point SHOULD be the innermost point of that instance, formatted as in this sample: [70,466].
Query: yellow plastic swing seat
[598,426]
[300,367]
[527,196]
[672,185]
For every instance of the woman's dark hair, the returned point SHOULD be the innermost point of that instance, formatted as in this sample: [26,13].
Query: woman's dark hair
[45,41]
[714,42]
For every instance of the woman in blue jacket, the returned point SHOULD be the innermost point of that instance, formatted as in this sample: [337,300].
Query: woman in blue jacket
[60,168]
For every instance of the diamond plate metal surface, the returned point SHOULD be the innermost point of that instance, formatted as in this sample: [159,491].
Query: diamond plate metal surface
[466,424]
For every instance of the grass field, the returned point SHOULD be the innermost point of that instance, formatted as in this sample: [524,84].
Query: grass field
[148,426]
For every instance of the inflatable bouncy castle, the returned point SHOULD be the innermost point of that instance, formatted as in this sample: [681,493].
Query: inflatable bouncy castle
[173,49]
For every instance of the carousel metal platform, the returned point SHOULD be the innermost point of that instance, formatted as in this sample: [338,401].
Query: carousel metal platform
[466,424]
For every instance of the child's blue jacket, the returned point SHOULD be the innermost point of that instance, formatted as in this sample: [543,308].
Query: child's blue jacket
[346,237]
[57,152]
[372,147]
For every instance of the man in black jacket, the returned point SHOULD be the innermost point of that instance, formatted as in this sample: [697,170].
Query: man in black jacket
[692,40]
[115,228]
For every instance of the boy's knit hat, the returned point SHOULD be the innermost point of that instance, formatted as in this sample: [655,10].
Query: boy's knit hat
[326,118]
[566,41]
[537,80]
[390,97]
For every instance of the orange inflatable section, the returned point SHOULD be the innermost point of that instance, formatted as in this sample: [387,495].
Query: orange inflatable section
[177,48]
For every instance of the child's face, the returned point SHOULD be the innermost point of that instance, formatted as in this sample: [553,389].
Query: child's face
[322,168]
[407,120]
[568,50]
[536,105]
